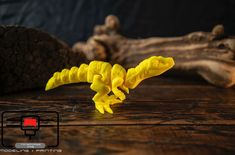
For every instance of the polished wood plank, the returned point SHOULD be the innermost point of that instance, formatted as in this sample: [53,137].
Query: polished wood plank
[146,139]
[157,103]
[161,116]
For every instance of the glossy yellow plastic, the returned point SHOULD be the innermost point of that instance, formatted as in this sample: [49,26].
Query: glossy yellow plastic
[110,82]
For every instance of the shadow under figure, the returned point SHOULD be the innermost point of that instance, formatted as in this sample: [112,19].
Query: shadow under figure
[105,78]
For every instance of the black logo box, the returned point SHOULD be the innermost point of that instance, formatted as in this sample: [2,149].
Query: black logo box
[14,122]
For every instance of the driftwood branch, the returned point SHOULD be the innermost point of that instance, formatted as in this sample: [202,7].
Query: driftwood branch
[208,54]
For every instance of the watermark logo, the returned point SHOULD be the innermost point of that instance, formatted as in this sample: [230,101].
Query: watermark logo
[30,129]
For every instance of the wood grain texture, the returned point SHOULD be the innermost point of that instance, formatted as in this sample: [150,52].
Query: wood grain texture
[147,139]
[161,116]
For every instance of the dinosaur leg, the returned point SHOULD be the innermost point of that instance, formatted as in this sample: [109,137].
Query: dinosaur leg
[117,82]
[99,86]
[101,98]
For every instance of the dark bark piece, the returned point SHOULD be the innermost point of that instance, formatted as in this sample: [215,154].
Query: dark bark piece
[28,57]
[208,54]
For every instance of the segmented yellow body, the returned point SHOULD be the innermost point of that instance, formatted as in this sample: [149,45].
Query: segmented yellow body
[105,79]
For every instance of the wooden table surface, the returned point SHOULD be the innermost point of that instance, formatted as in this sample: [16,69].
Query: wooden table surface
[161,116]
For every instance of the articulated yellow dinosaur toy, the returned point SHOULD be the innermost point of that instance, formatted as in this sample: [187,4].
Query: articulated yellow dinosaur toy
[105,78]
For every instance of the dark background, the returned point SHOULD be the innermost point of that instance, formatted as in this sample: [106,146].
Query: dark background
[74,20]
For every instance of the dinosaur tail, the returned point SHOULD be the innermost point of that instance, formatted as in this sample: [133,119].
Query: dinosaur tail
[66,76]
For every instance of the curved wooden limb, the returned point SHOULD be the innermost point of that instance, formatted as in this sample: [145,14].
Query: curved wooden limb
[108,45]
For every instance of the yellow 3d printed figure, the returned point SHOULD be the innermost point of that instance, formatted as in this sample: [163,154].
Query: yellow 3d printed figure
[105,78]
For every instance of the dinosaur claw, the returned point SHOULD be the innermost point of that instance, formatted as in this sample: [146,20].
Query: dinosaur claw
[116,101]
[113,100]
[108,109]
[99,107]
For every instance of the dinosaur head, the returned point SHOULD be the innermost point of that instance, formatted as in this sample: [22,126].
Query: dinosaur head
[156,65]
[150,67]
